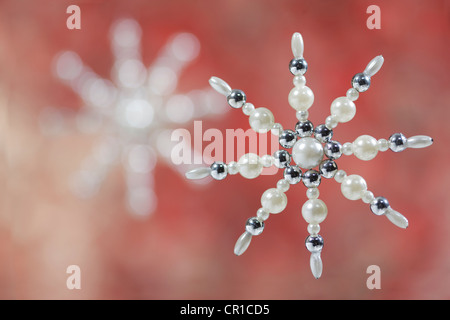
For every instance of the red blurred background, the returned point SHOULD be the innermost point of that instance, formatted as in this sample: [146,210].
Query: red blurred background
[185,249]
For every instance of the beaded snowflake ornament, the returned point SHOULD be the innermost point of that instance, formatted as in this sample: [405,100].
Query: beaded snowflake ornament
[134,113]
[310,148]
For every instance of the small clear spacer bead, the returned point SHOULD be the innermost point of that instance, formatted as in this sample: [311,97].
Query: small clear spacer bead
[267,160]
[277,129]
[352,94]
[313,229]
[383,144]
[331,122]
[262,214]
[299,81]
[347,148]
[312,193]
[302,115]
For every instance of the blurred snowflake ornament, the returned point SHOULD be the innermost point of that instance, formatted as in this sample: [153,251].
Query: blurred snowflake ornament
[134,112]
[314,153]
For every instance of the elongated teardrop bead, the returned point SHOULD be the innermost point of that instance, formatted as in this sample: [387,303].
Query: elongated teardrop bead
[397,218]
[316,265]
[297,45]
[419,142]
[198,173]
[374,66]
[242,243]
[220,86]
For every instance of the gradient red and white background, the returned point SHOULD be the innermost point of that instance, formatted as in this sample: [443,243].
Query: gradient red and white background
[185,250]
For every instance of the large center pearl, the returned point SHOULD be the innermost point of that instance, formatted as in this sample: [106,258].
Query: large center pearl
[307,153]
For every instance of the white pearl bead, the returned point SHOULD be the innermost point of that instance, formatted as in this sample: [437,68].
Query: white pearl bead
[367,196]
[365,147]
[283,185]
[331,122]
[277,129]
[313,228]
[353,187]
[267,161]
[352,94]
[299,81]
[314,211]
[273,201]
[307,152]
[347,148]
[383,144]
[262,214]
[302,115]
[340,175]
[312,193]
[301,98]
[248,108]
[343,109]
[261,120]
[250,166]
[233,167]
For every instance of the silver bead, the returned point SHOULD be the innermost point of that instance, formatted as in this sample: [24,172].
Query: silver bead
[219,170]
[287,139]
[237,98]
[298,66]
[311,179]
[293,174]
[314,243]
[254,226]
[328,168]
[379,206]
[397,142]
[281,158]
[322,133]
[361,82]
[333,150]
[304,128]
